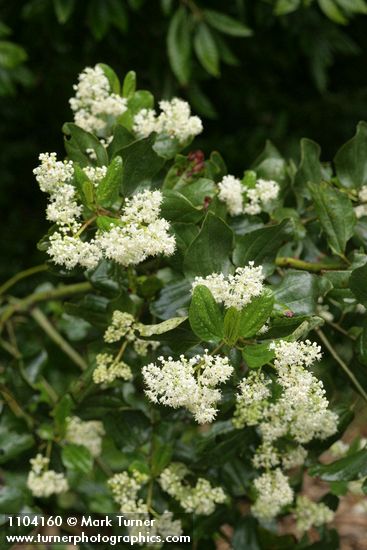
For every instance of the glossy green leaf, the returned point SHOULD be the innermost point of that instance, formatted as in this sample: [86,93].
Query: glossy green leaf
[309,169]
[77,458]
[173,299]
[298,291]
[160,328]
[209,251]
[245,535]
[206,49]
[255,314]
[112,78]
[109,187]
[349,468]
[176,207]
[226,24]
[141,164]
[261,246]
[129,85]
[77,141]
[179,45]
[257,355]
[335,212]
[205,315]
[358,283]
[351,160]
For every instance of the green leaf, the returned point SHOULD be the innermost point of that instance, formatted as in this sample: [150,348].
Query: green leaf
[111,77]
[84,186]
[200,259]
[351,160]
[98,17]
[261,246]
[179,45]
[11,55]
[358,283]
[141,164]
[283,7]
[255,314]
[298,291]
[60,413]
[121,138]
[77,458]
[257,355]
[162,455]
[176,207]
[13,443]
[63,9]
[109,187]
[160,328]
[226,24]
[335,212]
[173,298]
[129,85]
[309,169]
[206,49]
[349,468]
[270,164]
[245,535]
[332,11]
[77,141]
[205,315]
[231,326]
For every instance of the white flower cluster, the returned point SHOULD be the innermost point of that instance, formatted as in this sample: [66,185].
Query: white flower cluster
[234,290]
[140,233]
[273,494]
[311,514]
[109,369]
[43,482]
[122,326]
[298,412]
[95,173]
[87,433]
[241,199]
[189,383]
[174,120]
[94,103]
[361,209]
[125,488]
[200,499]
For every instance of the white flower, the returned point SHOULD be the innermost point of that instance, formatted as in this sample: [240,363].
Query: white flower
[200,499]
[309,514]
[108,369]
[87,433]
[339,448]
[141,233]
[53,173]
[273,493]
[295,353]
[94,102]
[362,194]
[63,208]
[231,193]
[189,383]
[360,210]
[95,173]
[70,251]
[251,399]
[42,482]
[122,326]
[175,120]
[260,196]
[142,346]
[235,290]
[125,488]
[167,526]
[294,457]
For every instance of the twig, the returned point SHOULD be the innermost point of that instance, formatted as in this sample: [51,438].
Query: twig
[339,360]
[308,266]
[22,275]
[49,329]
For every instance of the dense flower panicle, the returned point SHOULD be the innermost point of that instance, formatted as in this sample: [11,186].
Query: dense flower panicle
[87,433]
[231,193]
[125,488]
[109,369]
[273,494]
[295,353]
[51,174]
[260,196]
[234,290]
[95,173]
[141,233]
[167,526]
[200,499]
[251,399]
[311,514]
[189,383]
[122,326]
[43,482]
[241,199]
[63,208]
[71,251]
[94,102]
[175,120]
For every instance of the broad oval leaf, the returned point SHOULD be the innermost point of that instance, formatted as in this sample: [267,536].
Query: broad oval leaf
[351,160]
[205,315]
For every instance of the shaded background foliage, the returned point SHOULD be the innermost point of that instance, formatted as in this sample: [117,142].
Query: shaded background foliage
[300,73]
